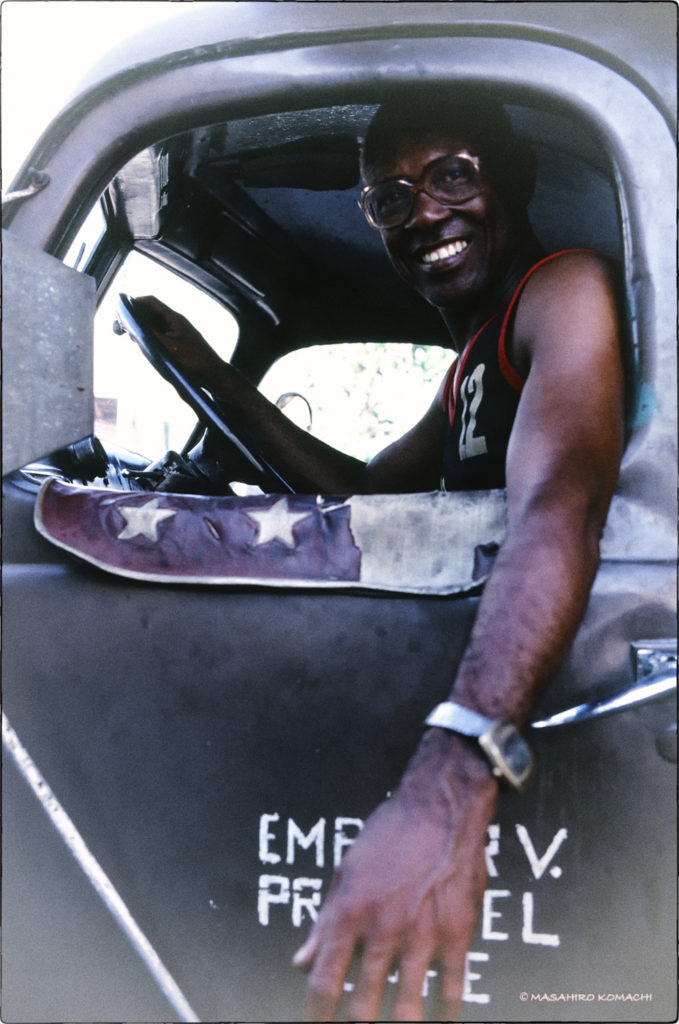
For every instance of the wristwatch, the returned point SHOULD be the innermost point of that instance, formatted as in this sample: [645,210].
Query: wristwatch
[509,755]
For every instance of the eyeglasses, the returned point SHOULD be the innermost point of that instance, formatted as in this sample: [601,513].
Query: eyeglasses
[450,180]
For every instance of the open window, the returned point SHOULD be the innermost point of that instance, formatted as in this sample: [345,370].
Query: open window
[251,229]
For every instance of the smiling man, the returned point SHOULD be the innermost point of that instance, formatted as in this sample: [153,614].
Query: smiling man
[534,403]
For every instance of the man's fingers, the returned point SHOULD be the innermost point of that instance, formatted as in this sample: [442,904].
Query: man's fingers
[326,980]
[304,957]
[371,981]
[412,973]
[452,982]
[166,322]
[154,303]
[155,307]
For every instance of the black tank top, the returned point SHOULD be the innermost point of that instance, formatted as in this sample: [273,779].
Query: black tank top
[481,396]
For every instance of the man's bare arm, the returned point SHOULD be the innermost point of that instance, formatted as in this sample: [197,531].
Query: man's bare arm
[421,906]
[562,466]
[410,464]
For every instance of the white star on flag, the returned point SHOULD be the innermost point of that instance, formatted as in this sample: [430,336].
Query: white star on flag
[276,521]
[143,520]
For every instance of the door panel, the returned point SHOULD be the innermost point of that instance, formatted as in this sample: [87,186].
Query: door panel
[218,748]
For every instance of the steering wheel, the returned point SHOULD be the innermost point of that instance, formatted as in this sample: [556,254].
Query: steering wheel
[140,322]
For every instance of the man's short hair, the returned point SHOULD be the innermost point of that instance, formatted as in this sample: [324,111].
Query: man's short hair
[461,110]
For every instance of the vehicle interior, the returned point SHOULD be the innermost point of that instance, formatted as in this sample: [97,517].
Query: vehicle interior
[261,214]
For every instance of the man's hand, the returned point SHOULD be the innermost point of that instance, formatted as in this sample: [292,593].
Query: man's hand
[407,894]
[187,347]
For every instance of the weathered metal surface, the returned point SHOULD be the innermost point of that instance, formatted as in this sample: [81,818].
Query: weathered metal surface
[47,325]
[195,736]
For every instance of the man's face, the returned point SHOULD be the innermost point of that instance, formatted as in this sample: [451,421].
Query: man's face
[446,253]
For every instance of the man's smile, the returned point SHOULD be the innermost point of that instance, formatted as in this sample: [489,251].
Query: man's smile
[443,252]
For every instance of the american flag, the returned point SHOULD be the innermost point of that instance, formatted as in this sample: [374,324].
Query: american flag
[407,543]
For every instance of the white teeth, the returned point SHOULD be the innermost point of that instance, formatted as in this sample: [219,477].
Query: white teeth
[446,250]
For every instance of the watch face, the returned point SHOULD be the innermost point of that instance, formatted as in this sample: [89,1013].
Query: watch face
[509,754]
[517,753]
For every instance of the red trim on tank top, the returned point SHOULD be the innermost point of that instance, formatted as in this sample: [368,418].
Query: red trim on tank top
[512,376]
[452,386]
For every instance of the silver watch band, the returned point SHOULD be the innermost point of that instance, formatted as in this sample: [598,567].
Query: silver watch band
[457,718]
[509,755]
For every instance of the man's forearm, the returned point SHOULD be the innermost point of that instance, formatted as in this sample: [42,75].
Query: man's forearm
[530,611]
[311,465]
[306,462]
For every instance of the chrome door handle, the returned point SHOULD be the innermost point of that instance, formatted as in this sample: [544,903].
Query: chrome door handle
[648,688]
